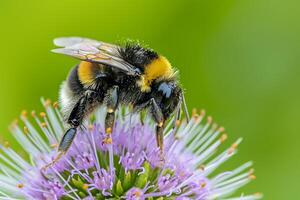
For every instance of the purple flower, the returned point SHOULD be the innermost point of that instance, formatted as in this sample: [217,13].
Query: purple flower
[132,161]
[103,181]
[128,165]
[135,194]
[84,161]
[165,182]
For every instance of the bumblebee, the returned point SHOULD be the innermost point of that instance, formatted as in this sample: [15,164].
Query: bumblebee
[111,75]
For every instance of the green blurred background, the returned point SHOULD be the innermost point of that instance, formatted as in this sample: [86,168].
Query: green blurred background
[237,59]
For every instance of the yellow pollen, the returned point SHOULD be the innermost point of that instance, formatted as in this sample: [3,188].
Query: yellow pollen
[55,104]
[43,124]
[107,141]
[20,185]
[138,194]
[252,177]
[234,145]
[181,174]
[202,185]
[202,167]
[160,124]
[85,186]
[209,119]
[221,129]
[196,116]
[26,131]
[194,112]
[202,112]
[108,130]
[6,144]
[24,113]
[223,137]
[42,114]
[258,194]
[177,123]
[33,113]
[47,103]
[232,148]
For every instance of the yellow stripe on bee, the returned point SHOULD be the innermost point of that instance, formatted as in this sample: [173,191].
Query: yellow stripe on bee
[158,68]
[85,72]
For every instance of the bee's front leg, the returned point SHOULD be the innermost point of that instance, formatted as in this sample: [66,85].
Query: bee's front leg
[160,123]
[185,109]
[176,118]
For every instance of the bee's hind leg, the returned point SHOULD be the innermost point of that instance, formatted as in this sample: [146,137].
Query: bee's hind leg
[75,119]
[64,145]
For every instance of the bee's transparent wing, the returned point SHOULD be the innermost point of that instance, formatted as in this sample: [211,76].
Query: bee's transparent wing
[69,41]
[93,51]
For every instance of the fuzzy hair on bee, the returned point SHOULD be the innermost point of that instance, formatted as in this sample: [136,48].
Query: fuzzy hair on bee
[111,75]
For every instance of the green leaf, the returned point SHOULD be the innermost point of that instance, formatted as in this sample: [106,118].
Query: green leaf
[142,179]
[119,188]
[127,181]
[81,194]
[167,171]
[77,183]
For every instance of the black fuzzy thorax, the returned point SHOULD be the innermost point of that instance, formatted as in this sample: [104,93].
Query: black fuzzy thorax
[137,55]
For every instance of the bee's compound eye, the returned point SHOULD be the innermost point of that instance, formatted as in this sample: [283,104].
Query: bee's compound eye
[166,89]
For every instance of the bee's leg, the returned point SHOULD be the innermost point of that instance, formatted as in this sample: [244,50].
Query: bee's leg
[185,109]
[111,100]
[177,114]
[75,120]
[160,123]
[64,145]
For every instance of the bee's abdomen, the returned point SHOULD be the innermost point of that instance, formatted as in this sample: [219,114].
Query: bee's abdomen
[86,72]
[74,82]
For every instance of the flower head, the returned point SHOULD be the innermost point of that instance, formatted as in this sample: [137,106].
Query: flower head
[127,165]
